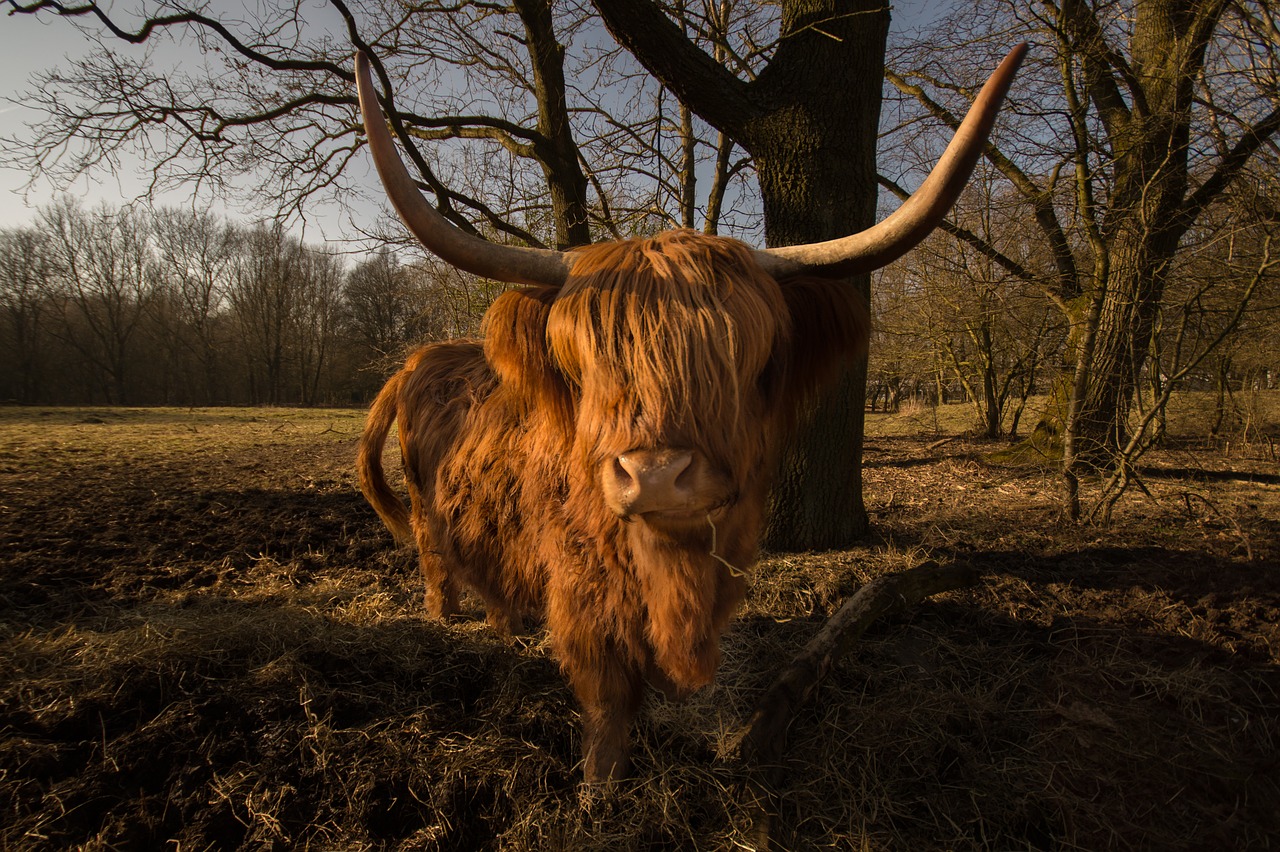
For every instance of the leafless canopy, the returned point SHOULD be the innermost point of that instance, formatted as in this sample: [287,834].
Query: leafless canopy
[861,252]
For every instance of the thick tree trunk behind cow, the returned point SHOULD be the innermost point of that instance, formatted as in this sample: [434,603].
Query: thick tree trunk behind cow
[816,159]
[810,120]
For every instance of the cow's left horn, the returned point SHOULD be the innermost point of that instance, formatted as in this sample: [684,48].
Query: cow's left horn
[513,264]
[893,237]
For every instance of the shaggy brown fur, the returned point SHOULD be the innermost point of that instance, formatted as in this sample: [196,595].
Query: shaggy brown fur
[678,342]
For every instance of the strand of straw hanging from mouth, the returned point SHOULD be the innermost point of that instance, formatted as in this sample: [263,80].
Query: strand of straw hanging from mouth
[716,556]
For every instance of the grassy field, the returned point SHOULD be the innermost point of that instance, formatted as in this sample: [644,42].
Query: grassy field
[1252,417]
[207,641]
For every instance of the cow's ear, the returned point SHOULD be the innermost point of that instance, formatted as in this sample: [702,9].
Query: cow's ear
[830,327]
[515,344]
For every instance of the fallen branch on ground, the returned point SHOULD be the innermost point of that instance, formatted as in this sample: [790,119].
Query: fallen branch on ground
[758,746]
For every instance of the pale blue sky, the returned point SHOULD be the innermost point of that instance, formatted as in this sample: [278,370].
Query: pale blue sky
[27,45]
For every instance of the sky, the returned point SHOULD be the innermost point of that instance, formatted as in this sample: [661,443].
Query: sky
[28,46]
[33,43]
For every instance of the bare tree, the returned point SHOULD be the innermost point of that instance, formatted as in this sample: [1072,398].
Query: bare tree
[195,252]
[103,258]
[266,296]
[317,322]
[899,366]
[991,329]
[1136,119]
[27,279]
[381,309]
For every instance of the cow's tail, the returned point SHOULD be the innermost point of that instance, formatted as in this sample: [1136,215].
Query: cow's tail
[373,481]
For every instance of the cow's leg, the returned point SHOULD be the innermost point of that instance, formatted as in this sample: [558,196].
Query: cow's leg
[659,679]
[441,597]
[504,620]
[483,576]
[610,693]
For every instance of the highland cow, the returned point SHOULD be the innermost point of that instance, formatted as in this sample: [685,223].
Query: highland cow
[602,457]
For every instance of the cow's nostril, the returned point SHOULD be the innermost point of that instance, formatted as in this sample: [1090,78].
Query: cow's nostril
[685,478]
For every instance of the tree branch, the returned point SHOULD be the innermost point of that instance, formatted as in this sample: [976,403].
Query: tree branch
[1041,199]
[444,195]
[1084,34]
[758,746]
[1229,167]
[182,19]
[447,129]
[697,79]
[983,247]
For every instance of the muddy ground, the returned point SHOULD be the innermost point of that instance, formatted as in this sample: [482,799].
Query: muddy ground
[207,641]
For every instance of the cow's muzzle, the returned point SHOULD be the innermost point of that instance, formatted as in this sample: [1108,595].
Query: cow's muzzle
[662,484]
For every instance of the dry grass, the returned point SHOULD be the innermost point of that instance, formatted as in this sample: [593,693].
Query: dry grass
[208,642]
[1249,427]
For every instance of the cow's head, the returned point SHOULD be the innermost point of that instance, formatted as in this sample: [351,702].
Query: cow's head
[663,362]
[669,345]
[672,363]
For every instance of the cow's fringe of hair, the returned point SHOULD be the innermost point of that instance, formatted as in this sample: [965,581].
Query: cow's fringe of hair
[631,329]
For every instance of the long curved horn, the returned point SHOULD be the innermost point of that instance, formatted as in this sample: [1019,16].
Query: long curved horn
[886,241]
[513,264]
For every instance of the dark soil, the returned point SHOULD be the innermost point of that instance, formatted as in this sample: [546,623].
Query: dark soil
[209,642]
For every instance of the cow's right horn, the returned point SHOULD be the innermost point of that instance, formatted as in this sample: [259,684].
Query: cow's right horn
[513,264]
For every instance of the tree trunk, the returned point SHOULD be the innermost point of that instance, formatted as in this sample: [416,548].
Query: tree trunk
[810,120]
[816,502]
[993,405]
[1147,211]
[815,155]
[557,151]
[1133,292]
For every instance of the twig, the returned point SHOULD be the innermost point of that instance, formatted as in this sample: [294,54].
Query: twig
[1244,538]
[716,555]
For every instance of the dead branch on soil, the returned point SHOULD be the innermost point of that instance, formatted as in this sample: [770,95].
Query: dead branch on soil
[1244,537]
[941,442]
[757,747]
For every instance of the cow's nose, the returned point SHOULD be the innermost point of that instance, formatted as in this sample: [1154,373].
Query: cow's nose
[653,481]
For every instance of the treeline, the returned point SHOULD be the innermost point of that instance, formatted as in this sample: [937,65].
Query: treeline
[954,325]
[130,306]
[136,306]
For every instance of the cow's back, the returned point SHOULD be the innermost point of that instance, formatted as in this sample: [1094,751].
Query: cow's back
[466,452]
[441,384]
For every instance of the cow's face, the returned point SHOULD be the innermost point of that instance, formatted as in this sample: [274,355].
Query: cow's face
[667,349]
